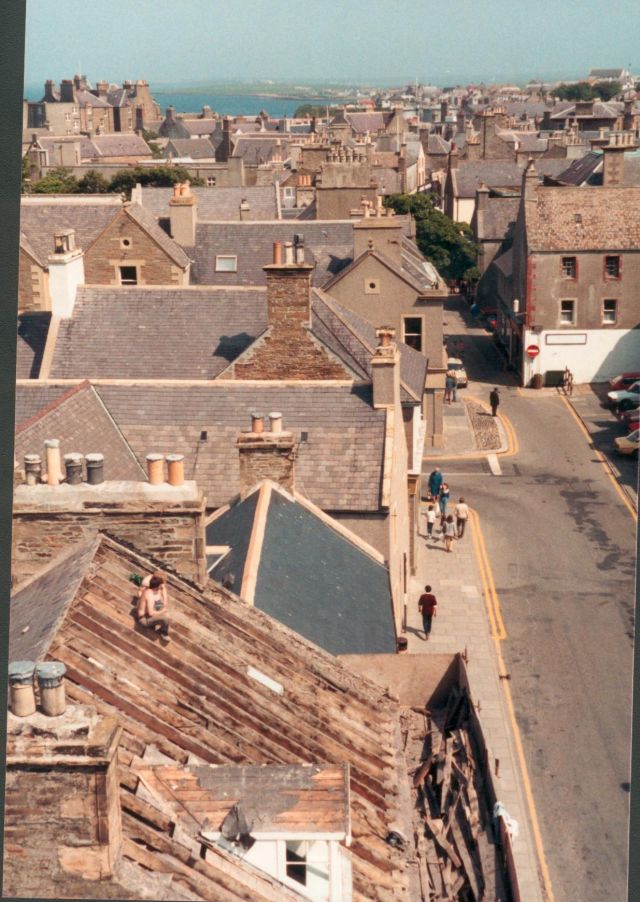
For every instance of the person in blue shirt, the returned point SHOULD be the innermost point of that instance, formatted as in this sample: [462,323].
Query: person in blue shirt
[435,482]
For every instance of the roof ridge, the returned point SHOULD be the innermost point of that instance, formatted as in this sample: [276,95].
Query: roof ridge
[52,405]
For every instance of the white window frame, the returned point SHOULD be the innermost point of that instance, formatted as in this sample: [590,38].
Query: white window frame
[230,257]
[405,333]
[572,321]
[605,314]
[128,282]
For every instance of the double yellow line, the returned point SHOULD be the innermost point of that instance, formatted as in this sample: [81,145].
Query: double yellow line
[498,634]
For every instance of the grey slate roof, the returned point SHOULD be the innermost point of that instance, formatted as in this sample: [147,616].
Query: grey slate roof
[201,149]
[339,467]
[255,151]
[32,397]
[328,243]
[39,219]
[122,144]
[218,204]
[87,148]
[498,173]
[79,419]
[34,624]
[500,213]
[200,127]
[32,335]
[157,332]
[325,587]
[86,98]
[436,144]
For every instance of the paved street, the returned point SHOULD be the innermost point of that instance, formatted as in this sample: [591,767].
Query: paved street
[562,550]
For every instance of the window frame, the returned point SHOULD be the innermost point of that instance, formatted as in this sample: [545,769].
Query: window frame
[564,322]
[420,335]
[233,257]
[606,275]
[605,321]
[574,276]
[128,281]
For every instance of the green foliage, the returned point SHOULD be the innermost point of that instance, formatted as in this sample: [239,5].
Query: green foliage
[307,110]
[93,182]
[148,135]
[150,176]
[25,177]
[582,90]
[57,181]
[156,150]
[447,244]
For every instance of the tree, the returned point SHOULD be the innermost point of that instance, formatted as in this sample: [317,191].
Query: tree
[582,90]
[447,244]
[93,182]
[150,176]
[307,110]
[605,90]
[25,178]
[59,180]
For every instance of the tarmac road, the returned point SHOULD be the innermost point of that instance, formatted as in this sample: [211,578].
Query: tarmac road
[562,551]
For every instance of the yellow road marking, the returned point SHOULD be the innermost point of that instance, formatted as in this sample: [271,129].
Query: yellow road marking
[603,461]
[498,633]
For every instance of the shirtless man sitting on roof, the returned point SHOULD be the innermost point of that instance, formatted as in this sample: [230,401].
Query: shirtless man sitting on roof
[153,606]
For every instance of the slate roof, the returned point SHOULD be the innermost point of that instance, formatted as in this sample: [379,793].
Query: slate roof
[501,212]
[436,144]
[327,242]
[87,148]
[497,174]
[33,328]
[201,706]
[600,110]
[338,467]
[418,272]
[86,98]
[199,127]
[41,217]
[525,141]
[586,218]
[122,144]
[255,151]
[218,204]
[326,587]
[32,396]
[368,122]
[81,422]
[189,148]
[157,332]
[579,171]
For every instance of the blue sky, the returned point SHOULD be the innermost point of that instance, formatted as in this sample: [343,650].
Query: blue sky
[199,41]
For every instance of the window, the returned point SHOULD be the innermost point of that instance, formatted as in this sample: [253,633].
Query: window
[226,263]
[412,332]
[612,267]
[128,275]
[567,312]
[307,863]
[609,310]
[67,117]
[289,192]
[211,181]
[569,267]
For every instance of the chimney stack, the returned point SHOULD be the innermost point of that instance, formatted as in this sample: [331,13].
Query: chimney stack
[385,370]
[66,272]
[245,209]
[266,455]
[67,91]
[183,214]
[613,158]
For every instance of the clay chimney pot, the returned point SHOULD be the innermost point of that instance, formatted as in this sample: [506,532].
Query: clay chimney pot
[257,423]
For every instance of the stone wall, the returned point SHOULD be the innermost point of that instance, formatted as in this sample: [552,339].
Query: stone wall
[47,520]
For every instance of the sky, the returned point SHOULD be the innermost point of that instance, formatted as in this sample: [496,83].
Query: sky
[173,42]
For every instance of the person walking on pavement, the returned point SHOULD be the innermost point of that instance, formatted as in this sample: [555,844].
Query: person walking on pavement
[435,481]
[427,606]
[449,387]
[462,515]
[431,519]
[494,400]
[449,533]
[443,501]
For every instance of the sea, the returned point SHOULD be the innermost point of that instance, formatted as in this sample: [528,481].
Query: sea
[225,104]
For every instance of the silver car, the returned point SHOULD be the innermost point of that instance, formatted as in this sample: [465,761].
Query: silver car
[455,364]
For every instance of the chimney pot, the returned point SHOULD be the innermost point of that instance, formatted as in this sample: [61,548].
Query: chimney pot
[52,694]
[175,466]
[275,419]
[257,423]
[54,469]
[155,468]
[21,694]
[95,468]
[32,469]
[385,334]
[73,466]
[288,253]
[277,253]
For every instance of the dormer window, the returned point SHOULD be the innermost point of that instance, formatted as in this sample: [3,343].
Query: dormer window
[226,263]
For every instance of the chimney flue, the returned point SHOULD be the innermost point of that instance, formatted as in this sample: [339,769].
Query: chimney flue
[54,469]
[73,466]
[277,253]
[95,468]
[288,253]
[257,423]
[21,694]
[175,466]
[32,469]
[155,468]
[52,694]
[275,419]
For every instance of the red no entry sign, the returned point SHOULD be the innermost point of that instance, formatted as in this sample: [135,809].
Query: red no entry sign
[533,350]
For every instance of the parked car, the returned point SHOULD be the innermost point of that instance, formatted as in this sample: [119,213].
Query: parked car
[628,444]
[454,363]
[624,380]
[630,419]
[626,399]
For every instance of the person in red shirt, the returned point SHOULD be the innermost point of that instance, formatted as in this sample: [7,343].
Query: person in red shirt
[427,606]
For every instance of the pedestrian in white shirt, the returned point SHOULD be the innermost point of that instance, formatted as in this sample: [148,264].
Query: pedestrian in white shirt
[462,515]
